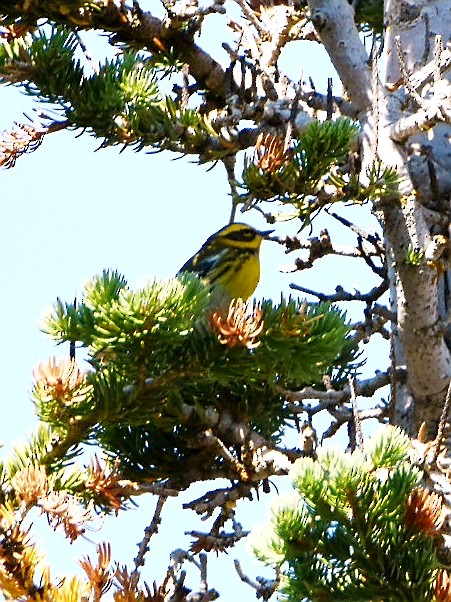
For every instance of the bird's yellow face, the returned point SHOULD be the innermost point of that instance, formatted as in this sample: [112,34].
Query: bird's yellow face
[240,236]
[239,246]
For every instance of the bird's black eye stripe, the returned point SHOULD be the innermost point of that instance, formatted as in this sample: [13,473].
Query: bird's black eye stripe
[244,235]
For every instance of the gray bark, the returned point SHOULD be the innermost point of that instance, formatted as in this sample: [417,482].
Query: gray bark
[423,162]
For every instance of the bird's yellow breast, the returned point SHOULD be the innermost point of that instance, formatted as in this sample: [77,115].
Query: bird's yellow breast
[242,277]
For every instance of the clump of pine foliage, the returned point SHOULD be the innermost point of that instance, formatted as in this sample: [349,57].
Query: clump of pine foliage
[165,368]
[359,526]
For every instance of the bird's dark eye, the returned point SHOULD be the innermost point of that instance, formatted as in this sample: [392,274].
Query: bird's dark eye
[245,235]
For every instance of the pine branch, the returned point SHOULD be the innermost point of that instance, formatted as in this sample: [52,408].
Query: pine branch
[343,519]
[159,360]
[296,175]
[331,397]
[133,26]
[101,576]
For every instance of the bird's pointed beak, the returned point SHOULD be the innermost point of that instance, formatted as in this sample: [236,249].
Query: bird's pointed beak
[266,233]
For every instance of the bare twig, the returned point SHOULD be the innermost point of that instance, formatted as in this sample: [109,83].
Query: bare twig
[372,324]
[24,139]
[329,106]
[219,498]
[229,163]
[435,104]
[188,10]
[426,74]
[177,575]
[355,413]
[292,119]
[421,120]
[209,439]
[319,247]
[185,86]
[322,246]
[144,545]
[342,295]
[381,270]
[344,415]
[331,397]
[216,540]
[131,488]
[384,312]
[319,102]
[308,439]
[251,16]
[439,201]
[94,64]
[262,460]
[442,424]
[373,239]
[393,383]
[264,588]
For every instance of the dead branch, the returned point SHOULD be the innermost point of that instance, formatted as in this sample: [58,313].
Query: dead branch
[219,498]
[216,540]
[177,576]
[345,415]
[372,324]
[332,397]
[25,138]
[264,588]
[373,239]
[357,418]
[341,295]
[144,545]
[437,111]
[442,424]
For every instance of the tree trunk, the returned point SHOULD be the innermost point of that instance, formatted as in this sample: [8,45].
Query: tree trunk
[412,221]
[420,291]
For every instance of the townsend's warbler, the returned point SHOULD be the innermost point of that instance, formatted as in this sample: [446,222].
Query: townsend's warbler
[229,261]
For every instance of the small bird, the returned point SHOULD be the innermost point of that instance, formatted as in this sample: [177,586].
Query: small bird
[229,261]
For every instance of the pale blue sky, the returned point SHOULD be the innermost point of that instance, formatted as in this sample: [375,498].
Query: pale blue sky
[67,213]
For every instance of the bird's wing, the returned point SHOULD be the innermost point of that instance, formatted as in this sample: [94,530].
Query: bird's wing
[203,263]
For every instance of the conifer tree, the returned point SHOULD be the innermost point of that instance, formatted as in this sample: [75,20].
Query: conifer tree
[178,391]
